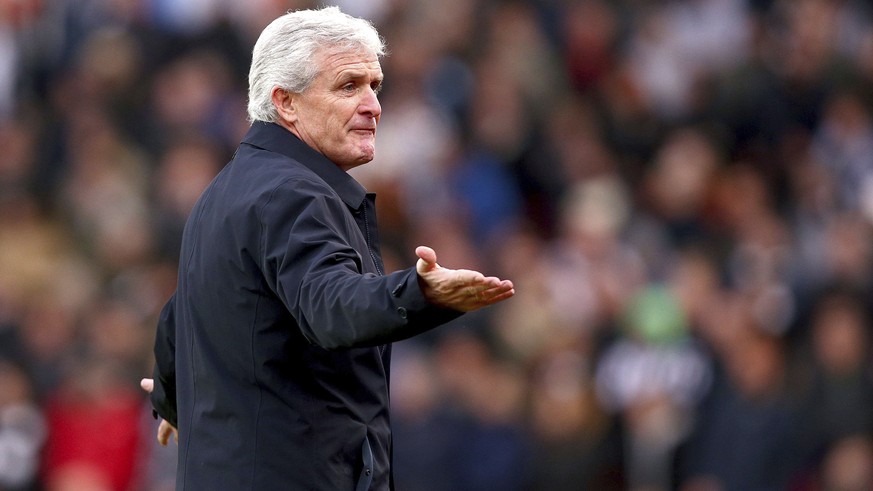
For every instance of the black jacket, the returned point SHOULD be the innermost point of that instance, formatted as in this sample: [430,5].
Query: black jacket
[272,355]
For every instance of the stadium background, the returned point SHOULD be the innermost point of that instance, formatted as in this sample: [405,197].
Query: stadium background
[681,190]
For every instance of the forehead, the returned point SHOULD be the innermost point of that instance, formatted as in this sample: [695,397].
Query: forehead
[334,62]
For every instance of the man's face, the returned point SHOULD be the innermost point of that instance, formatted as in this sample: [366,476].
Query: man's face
[337,115]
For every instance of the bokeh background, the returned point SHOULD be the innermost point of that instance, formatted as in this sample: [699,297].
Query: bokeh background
[681,190]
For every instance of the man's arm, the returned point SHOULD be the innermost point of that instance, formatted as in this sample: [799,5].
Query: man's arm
[163,393]
[309,262]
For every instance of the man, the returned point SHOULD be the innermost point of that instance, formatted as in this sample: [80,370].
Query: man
[273,354]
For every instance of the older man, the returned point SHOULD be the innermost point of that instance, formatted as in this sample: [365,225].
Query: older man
[273,354]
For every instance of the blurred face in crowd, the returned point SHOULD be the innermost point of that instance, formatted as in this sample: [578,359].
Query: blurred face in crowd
[338,113]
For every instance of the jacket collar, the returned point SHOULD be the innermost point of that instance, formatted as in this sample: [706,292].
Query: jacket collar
[274,138]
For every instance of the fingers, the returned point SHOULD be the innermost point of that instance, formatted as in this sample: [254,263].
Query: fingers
[505,286]
[502,291]
[165,429]
[481,284]
[482,293]
[497,295]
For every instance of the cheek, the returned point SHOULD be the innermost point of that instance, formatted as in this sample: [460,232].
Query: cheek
[337,126]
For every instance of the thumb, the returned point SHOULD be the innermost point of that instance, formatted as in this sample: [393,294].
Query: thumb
[147,384]
[427,259]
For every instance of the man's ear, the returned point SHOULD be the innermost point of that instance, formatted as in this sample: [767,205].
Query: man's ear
[285,103]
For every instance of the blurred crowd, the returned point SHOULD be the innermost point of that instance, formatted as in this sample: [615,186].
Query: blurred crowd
[681,191]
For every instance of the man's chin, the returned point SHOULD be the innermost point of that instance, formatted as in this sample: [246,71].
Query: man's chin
[361,159]
[367,152]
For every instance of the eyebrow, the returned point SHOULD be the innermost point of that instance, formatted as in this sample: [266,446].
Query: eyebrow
[354,74]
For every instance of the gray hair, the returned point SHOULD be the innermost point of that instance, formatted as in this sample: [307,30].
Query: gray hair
[284,54]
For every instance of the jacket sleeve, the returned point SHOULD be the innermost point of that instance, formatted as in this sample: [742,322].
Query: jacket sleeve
[310,262]
[163,397]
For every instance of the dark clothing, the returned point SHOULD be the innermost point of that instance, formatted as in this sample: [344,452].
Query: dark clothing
[276,340]
[746,444]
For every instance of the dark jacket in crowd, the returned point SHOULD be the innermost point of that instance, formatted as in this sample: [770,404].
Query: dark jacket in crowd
[273,354]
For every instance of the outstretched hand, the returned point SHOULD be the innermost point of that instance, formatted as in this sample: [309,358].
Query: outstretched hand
[165,429]
[459,289]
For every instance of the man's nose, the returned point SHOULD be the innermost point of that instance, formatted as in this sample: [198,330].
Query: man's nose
[370,104]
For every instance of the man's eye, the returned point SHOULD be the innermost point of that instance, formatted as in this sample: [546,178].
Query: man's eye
[349,87]
[376,86]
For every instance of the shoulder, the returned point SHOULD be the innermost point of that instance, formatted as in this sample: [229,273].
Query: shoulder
[262,175]
[275,188]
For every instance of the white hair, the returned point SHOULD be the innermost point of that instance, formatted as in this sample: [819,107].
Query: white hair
[284,55]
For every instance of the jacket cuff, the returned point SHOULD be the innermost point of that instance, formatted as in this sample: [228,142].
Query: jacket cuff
[163,405]
[412,305]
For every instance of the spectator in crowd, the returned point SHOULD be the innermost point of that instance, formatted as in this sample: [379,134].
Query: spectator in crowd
[839,399]
[22,429]
[746,434]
